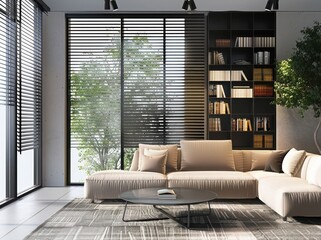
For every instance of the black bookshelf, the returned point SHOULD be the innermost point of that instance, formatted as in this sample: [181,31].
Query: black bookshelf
[241,74]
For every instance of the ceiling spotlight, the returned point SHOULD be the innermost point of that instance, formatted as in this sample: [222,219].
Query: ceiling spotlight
[107,4]
[192,5]
[112,3]
[270,3]
[189,3]
[185,5]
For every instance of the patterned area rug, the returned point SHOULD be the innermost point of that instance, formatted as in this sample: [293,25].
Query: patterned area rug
[245,219]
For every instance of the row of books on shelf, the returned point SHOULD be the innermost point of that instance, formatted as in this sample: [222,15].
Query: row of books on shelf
[264,41]
[241,92]
[241,124]
[216,58]
[216,91]
[254,41]
[262,74]
[262,58]
[214,124]
[246,42]
[224,42]
[261,90]
[227,75]
[219,107]
[262,124]
[243,42]
[263,141]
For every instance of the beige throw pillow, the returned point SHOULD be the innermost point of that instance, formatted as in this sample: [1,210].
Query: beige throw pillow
[292,161]
[171,162]
[207,155]
[259,159]
[154,163]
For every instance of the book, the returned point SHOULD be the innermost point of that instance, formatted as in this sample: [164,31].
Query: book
[166,193]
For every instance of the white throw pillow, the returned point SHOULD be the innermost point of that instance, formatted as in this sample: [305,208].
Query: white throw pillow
[292,161]
[314,171]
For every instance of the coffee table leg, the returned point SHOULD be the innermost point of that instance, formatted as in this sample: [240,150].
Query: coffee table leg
[188,215]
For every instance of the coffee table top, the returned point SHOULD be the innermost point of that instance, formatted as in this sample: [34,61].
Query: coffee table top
[184,196]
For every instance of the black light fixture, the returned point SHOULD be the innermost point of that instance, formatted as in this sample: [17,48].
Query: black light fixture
[270,3]
[189,3]
[112,3]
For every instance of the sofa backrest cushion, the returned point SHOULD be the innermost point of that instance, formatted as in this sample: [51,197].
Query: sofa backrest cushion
[313,170]
[207,155]
[171,164]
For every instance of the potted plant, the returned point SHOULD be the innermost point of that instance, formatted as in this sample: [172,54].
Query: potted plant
[298,83]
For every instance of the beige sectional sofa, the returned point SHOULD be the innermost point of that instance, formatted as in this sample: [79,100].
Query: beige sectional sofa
[297,194]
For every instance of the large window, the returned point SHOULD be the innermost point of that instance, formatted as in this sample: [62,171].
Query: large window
[132,79]
[20,97]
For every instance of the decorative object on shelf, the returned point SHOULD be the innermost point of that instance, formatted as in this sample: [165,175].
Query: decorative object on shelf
[298,83]
[112,3]
[189,3]
[270,3]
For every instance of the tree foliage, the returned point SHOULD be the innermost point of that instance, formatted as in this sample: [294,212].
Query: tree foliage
[96,101]
[298,82]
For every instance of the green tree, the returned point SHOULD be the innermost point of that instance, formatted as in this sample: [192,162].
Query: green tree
[96,97]
[299,78]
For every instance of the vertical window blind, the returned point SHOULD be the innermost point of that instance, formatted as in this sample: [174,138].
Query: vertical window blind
[29,18]
[158,62]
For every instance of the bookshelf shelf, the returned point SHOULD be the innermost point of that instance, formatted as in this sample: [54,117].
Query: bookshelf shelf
[245,82]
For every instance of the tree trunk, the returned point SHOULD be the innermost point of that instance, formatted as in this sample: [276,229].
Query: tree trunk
[315,136]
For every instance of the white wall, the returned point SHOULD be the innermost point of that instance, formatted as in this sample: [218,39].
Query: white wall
[292,131]
[54,100]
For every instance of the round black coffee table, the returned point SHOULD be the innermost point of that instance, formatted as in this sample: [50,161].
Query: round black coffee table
[184,196]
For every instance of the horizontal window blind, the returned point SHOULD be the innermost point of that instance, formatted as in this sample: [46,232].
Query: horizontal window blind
[8,38]
[164,73]
[154,65]
[94,57]
[29,76]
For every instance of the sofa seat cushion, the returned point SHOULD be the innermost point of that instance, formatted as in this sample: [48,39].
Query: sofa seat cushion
[258,174]
[290,196]
[109,184]
[227,184]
